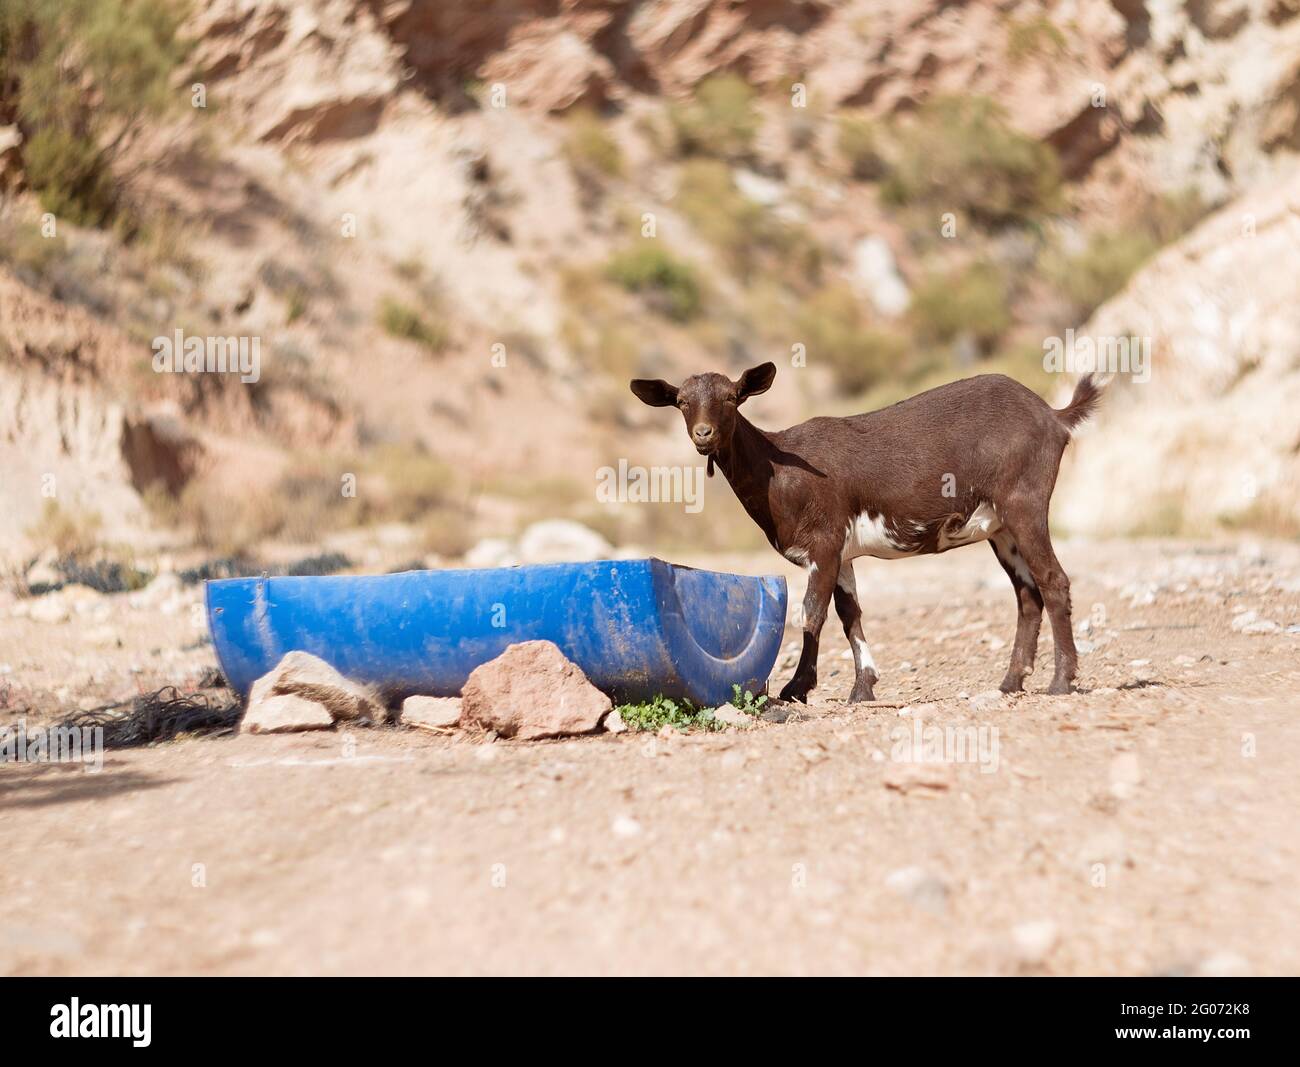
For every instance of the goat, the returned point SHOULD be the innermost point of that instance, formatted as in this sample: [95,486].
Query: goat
[975,460]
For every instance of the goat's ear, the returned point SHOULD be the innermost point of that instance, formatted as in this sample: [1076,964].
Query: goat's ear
[654,391]
[755,380]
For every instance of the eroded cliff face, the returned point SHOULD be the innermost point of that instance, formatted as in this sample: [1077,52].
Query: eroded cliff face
[353,154]
[1214,434]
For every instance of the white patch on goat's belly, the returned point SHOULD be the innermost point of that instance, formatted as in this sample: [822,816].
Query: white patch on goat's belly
[870,536]
[982,524]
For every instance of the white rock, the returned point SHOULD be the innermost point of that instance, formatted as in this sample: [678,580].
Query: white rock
[625,826]
[732,716]
[312,678]
[284,713]
[1034,941]
[1125,774]
[492,552]
[920,886]
[875,273]
[562,541]
[430,713]
[614,723]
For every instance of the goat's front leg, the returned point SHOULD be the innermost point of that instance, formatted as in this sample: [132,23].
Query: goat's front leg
[822,575]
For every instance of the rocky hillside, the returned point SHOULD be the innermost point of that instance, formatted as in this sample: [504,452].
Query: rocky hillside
[456,229]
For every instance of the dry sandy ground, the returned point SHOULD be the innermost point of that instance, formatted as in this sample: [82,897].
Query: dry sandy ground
[1148,824]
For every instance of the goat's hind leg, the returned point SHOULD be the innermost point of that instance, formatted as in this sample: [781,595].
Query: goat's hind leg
[1029,607]
[850,613]
[1029,529]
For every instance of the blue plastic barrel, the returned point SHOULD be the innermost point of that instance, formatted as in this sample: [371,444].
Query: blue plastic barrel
[636,627]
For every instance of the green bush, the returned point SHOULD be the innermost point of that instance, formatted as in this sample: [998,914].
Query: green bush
[71,176]
[590,148]
[747,234]
[669,284]
[1034,36]
[960,155]
[399,320]
[78,77]
[832,326]
[970,304]
[1090,278]
[859,145]
[720,120]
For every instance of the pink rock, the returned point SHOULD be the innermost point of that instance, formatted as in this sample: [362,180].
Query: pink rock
[532,691]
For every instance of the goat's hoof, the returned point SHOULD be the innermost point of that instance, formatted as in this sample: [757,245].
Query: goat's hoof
[1059,688]
[1013,683]
[795,693]
[862,694]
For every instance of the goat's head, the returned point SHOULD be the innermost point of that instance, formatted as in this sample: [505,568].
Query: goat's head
[707,402]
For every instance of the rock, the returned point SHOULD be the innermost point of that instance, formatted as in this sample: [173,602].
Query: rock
[1125,775]
[625,826]
[614,723]
[50,609]
[875,274]
[1242,619]
[1261,626]
[163,588]
[492,552]
[733,716]
[284,713]
[1223,965]
[532,691]
[562,541]
[307,676]
[1034,941]
[431,713]
[919,886]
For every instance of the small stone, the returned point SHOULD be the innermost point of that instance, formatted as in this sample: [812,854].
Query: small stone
[733,716]
[431,713]
[284,713]
[626,826]
[1034,941]
[1125,775]
[614,723]
[919,886]
[1242,619]
[1261,626]
[1223,965]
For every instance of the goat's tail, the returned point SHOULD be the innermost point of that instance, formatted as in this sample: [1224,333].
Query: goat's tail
[1087,395]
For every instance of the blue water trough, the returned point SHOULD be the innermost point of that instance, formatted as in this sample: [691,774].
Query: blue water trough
[636,627]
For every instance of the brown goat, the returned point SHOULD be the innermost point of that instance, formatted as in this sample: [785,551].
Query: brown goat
[972,461]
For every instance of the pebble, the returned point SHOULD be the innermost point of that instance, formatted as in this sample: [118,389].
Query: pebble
[1034,941]
[626,826]
[921,887]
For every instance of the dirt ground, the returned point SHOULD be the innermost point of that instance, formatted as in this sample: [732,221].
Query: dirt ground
[1147,824]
